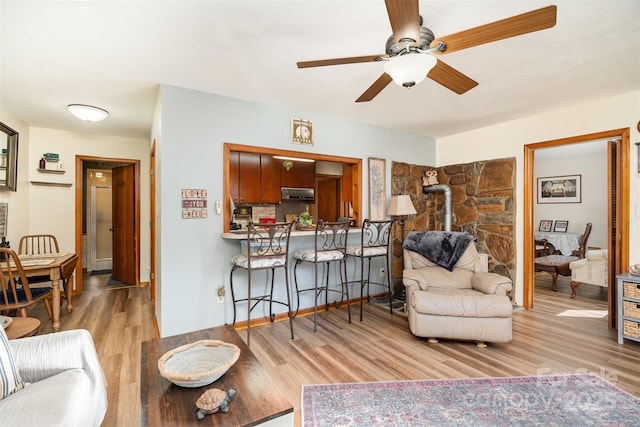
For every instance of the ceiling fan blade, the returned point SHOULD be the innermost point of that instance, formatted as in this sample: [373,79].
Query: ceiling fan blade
[451,78]
[405,19]
[528,22]
[375,88]
[340,61]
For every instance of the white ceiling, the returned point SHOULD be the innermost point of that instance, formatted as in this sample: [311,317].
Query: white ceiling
[114,54]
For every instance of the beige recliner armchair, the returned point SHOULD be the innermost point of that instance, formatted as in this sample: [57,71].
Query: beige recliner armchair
[464,303]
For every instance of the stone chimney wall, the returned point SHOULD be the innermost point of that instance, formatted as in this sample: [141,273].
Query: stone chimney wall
[482,203]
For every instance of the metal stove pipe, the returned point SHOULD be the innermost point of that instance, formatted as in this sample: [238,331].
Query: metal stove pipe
[447,201]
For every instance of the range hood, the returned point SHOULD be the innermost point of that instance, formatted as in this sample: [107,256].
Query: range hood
[298,194]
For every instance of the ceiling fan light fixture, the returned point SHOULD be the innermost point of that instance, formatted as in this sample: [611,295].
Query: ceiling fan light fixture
[410,69]
[88,113]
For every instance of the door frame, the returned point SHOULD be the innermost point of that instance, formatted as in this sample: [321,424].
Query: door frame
[79,185]
[152,225]
[619,243]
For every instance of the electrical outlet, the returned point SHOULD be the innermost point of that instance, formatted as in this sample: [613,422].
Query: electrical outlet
[220,297]
[382,272]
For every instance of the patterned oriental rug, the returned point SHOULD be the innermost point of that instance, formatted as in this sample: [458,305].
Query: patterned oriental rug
[554,400]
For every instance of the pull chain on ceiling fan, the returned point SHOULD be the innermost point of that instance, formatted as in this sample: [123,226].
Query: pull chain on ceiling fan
[411,50]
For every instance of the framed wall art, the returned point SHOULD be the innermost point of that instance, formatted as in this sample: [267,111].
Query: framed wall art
[377,190]
[560,226]
[301,132]
[545,225]
[560,189]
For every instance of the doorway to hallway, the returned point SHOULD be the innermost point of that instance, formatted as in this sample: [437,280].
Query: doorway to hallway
[107,218]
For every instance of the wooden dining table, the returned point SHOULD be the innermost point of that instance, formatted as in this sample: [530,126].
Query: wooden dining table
[48,264]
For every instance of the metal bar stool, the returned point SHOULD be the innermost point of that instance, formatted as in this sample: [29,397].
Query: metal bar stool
[330,243]
[266,248]
[374,243]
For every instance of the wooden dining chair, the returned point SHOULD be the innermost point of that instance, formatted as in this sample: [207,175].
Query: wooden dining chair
[16,294]
[38,244]
[582,248]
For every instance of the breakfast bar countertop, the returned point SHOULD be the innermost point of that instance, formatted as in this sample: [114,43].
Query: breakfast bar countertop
[242,234]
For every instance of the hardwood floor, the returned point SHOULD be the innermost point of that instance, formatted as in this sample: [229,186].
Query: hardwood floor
[378,348]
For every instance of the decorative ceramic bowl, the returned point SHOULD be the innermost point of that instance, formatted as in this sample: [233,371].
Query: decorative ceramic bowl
[199,363]
[633,270]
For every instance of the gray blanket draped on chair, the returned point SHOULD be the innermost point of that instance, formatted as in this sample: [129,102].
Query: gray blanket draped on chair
[441,247]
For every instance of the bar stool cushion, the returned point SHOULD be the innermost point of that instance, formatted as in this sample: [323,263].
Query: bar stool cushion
[366,251]
[324,256]
[243,262]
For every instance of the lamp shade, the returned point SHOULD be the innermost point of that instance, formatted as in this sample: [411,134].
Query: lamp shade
[401,205]
[409,69]
[88,113]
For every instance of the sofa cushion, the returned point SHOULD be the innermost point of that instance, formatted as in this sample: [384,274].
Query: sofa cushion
[60,400]
[460,303]
[10,380]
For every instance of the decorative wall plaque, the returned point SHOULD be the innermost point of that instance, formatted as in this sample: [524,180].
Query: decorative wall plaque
[194,204]
[301,131]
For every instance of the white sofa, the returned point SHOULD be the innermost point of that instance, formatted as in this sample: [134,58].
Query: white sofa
[467,303]
[592,269]
[66,386]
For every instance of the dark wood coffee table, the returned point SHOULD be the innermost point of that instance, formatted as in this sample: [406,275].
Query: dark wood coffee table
[257,398]
[556,265]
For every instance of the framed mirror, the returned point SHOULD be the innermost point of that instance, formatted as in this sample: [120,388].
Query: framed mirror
[8,157]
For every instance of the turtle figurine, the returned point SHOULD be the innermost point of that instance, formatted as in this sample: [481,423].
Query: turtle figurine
[213,401]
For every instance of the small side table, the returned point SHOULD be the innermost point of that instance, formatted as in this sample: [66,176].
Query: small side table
[22,327]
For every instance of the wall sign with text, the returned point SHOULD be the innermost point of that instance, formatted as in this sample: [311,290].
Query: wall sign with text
[194,204]
[301,131]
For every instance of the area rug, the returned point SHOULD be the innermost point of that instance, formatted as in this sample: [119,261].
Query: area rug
[553,400]
[112,281]
[99,272]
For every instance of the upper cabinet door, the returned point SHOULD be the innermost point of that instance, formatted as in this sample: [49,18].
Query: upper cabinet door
[234,176]
[270,179]
[347,183]
[249,178]
[302,175]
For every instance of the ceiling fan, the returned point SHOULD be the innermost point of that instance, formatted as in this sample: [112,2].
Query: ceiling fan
[410,51]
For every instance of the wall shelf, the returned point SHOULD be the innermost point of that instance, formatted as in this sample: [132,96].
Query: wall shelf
[51,171]
[52,184]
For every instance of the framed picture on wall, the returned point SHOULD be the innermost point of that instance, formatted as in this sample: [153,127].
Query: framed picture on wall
[377,190]
[560,226]
[560,189]
[545,225]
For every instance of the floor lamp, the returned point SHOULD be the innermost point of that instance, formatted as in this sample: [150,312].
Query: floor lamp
[400,208]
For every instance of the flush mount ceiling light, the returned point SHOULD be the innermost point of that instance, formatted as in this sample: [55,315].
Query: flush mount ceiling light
[88,113]
[409,69]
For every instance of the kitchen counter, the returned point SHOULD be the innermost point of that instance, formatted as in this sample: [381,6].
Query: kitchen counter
[242,234]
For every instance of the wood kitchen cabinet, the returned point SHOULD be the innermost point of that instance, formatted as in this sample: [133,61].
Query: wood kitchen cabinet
[301,175]
[234,171]
[347,183]
[269,179]
[249,178]
[254,178]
